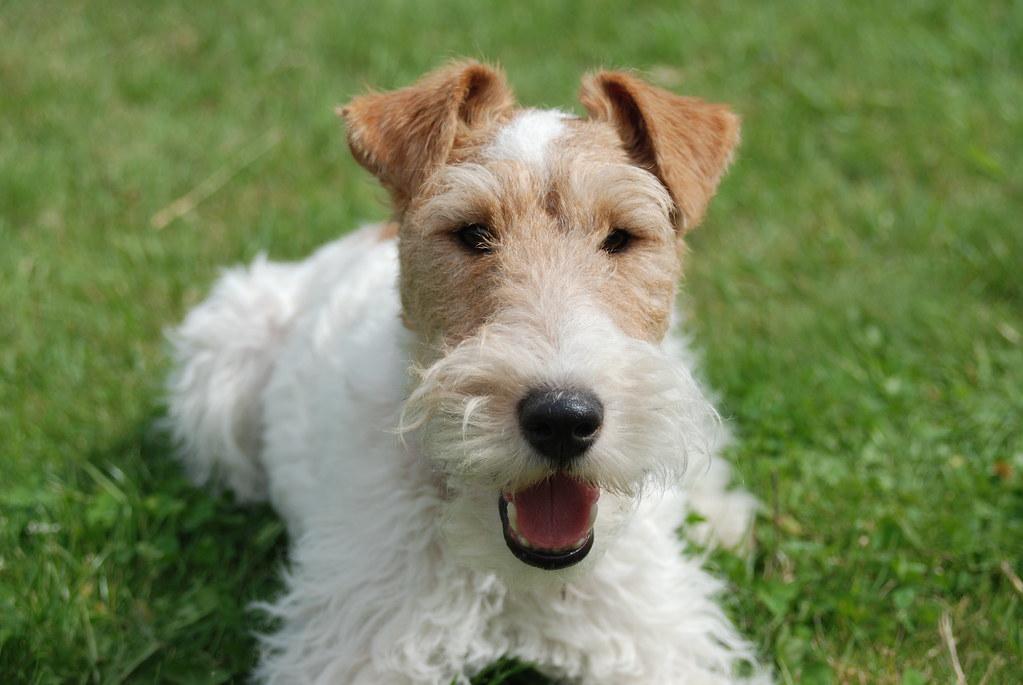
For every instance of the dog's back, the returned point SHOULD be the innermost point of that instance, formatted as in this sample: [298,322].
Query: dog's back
[225,352]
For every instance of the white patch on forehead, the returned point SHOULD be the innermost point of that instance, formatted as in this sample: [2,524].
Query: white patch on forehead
[526,137]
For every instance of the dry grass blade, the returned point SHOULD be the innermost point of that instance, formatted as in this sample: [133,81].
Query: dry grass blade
[214,182]
[1014,579]
[945,628]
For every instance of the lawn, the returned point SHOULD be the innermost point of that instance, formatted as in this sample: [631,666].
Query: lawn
[857,291]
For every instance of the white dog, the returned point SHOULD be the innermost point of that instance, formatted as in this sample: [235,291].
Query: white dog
[473,419]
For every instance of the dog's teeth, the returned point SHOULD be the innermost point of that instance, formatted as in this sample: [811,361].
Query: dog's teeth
[513,524]
[593,514]
[513,518]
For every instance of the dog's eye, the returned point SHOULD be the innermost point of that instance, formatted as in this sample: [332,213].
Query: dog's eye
[476,238]
[616,241]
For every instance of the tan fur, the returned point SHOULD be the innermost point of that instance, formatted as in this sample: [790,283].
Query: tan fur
[388,231]
[643,159]
[686,142]
[402,135]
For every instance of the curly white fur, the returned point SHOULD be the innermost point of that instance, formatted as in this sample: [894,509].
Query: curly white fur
[291,383]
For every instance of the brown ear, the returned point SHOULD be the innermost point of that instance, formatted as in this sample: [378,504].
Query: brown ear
[686,142]
[404,135]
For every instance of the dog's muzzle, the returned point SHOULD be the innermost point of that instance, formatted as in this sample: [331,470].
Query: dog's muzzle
[549,525]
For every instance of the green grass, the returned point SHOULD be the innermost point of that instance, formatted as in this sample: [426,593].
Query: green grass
[857,287]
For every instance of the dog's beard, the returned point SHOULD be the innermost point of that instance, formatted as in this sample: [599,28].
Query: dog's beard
[657,423]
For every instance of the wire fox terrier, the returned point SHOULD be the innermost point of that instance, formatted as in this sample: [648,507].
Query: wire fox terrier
[475,419]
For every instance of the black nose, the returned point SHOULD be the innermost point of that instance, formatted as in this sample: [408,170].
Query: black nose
[560,424]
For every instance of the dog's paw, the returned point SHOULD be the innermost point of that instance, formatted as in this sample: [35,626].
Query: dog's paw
[726,515]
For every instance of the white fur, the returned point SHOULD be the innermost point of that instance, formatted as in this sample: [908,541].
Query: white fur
[527,137]
[292,381]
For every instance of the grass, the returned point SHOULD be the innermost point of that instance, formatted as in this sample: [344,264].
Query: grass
[857,288]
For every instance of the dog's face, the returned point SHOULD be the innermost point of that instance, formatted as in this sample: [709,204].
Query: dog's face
[539,256]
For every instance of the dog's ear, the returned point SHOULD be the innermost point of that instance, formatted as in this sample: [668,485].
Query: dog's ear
[402,136]
[686,142]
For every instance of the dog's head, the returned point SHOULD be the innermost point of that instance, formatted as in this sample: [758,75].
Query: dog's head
[539,258]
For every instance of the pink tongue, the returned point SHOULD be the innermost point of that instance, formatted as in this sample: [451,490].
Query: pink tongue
[554,513]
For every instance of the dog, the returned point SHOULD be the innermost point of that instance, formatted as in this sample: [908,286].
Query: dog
[477,419]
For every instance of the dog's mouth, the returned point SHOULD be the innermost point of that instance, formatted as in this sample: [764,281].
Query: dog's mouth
[549,525]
